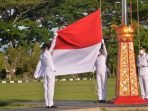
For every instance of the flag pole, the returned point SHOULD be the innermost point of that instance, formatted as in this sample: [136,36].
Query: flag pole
[124,12]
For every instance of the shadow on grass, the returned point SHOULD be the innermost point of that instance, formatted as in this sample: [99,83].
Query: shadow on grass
[15,103]
[4,103]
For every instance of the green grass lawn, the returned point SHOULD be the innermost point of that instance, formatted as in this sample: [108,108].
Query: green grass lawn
[67,90]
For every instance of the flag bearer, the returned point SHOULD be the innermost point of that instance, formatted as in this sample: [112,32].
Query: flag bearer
[47,69]
[101,73]
[142,63]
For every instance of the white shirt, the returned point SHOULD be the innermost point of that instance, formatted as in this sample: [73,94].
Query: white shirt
[45,65]
[142,64]
[101,60]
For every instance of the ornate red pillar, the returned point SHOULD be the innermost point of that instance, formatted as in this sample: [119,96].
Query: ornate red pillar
[127,81]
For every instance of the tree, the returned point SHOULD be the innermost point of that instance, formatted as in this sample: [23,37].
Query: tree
[20,61]
[25,22]
[18,27]
[2,66]
[12,58]
[18,9]
[143,8]
[29,62]
[13,36]
[1,61]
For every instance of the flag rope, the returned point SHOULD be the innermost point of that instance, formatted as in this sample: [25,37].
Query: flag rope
[100,5]
[138,24]
[95,81]
[131,13]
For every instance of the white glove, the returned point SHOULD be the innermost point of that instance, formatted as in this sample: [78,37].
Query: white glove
[36,77]
[103,42]
[55,34]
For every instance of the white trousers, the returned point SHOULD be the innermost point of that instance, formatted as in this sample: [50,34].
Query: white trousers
[143,81]
[101,77]
[49,84]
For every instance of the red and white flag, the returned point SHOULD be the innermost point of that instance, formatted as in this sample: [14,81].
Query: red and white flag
[77,45]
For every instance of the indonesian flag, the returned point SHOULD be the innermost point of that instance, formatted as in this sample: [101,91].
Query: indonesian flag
[77,45]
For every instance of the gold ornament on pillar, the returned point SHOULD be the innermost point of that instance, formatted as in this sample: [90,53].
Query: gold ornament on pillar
[125,33]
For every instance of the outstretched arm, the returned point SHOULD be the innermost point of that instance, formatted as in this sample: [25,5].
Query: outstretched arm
[53,42]
[104,48]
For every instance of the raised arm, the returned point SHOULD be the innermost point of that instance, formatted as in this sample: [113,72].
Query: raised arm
[104,48]
[53,42]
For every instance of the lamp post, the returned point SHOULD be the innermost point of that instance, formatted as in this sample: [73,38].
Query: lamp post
[127,81]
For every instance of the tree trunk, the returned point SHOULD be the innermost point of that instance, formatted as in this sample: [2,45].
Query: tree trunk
[11,74]
[8,77]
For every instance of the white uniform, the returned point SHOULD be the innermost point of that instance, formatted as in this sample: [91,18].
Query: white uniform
[101,74]
[46,69]
[142,64]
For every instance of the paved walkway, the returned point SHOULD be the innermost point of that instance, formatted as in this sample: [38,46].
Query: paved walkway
[79,106]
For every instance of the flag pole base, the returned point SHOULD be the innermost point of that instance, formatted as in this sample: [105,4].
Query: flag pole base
[129,100]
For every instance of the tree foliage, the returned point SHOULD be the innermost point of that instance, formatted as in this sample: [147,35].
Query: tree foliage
[25,24]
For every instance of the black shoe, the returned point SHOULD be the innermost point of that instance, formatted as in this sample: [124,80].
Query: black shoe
[52,106]
[47,106]
[102,101]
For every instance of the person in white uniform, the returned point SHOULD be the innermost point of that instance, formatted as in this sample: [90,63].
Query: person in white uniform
[101,73]
[46,69]
[142,63]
